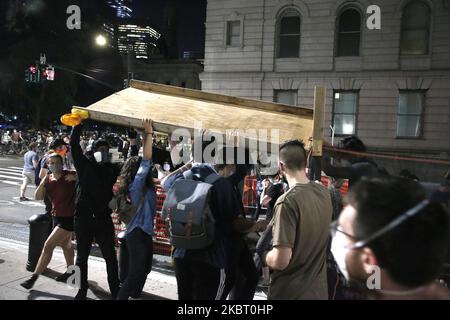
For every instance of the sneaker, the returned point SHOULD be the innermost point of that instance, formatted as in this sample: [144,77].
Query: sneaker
[29,283]
[24,199]
[63,277]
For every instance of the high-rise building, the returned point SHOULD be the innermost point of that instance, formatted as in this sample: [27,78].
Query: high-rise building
[121,7]
[139,38]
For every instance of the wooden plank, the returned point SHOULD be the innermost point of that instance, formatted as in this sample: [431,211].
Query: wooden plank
[319,115]
[174,109]
[221,98]
[317,138]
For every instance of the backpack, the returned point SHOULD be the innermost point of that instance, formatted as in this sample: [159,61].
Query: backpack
[187,210]
[121,205]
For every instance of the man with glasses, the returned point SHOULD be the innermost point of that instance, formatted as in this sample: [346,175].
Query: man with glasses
[301,217]
[390,241]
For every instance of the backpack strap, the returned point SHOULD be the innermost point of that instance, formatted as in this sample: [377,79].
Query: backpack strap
[188,175]
[213,177]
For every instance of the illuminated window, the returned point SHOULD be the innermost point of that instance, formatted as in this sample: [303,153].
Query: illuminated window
[344,112]
[409,116]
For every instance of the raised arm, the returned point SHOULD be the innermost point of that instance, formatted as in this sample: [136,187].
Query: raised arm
[79,159]
[148,138]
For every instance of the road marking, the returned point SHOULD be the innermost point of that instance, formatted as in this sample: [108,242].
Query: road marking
[11,171]
[10,177]
[30,203]
[6,203]
[18,168]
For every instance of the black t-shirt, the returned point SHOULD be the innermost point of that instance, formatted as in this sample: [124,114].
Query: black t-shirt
[274,191]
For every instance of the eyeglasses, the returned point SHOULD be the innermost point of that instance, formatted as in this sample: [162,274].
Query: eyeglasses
[334,227]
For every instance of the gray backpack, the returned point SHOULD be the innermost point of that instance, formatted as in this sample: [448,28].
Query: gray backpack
[186,208]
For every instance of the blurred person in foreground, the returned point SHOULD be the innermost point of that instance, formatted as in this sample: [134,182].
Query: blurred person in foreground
[391,242]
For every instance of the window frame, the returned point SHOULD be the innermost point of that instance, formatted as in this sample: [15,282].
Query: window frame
[288,12]
[228,35]
[429,30]
[294,91]
[338,33]
[421,115]
[333,112]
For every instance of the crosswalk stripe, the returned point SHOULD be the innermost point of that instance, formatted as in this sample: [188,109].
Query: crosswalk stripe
[3,171]
[17,168]
[9,177]
[12,170]
[17,183]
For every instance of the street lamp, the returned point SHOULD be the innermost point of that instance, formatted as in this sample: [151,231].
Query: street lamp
[100,40]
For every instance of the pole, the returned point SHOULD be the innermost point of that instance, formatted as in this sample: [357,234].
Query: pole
[319,107]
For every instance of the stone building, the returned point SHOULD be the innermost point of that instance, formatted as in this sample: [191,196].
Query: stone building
[389,86]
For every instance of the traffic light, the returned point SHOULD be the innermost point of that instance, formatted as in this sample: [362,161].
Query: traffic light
[34,74]
[39,73]
[27,75]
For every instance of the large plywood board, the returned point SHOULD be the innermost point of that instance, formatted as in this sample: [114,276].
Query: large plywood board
[172,108]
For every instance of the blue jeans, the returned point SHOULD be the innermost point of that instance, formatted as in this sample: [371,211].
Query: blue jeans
[140,255]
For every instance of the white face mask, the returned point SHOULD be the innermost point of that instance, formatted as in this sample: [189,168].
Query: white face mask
[340,250]
[166,167]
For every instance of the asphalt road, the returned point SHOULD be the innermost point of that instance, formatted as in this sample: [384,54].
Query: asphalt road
[11,209]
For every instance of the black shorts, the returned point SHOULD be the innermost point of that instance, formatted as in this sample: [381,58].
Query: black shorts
[65,223]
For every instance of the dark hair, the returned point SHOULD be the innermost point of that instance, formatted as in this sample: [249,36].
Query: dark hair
[413,253]
[293,155]
[100,143]
[128,173]
[352,143]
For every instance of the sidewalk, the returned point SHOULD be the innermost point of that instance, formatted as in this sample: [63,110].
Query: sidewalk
[161,283]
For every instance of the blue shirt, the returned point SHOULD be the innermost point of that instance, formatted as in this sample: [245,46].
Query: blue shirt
[28,159]
[146,212]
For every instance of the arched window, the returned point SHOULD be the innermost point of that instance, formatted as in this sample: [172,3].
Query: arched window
[415,29]
[349,33]
[289,35]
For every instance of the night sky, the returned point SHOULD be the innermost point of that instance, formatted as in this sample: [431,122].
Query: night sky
[190,16]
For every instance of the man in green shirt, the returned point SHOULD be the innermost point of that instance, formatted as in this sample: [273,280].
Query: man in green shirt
[300,232]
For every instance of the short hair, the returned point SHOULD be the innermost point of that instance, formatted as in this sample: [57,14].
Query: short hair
[414,252]
[32,146]
[293,155]
[55,155]
[100,143]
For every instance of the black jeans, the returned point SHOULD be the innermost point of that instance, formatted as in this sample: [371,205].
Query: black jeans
[140,258]
[102,229]
[197,280]
[246,279]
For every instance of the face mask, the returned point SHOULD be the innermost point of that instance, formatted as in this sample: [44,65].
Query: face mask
[339,250]
[102,156]
[166,167]
[55,168]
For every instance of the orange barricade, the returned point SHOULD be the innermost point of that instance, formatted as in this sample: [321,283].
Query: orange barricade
[161,240]
[249,196]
